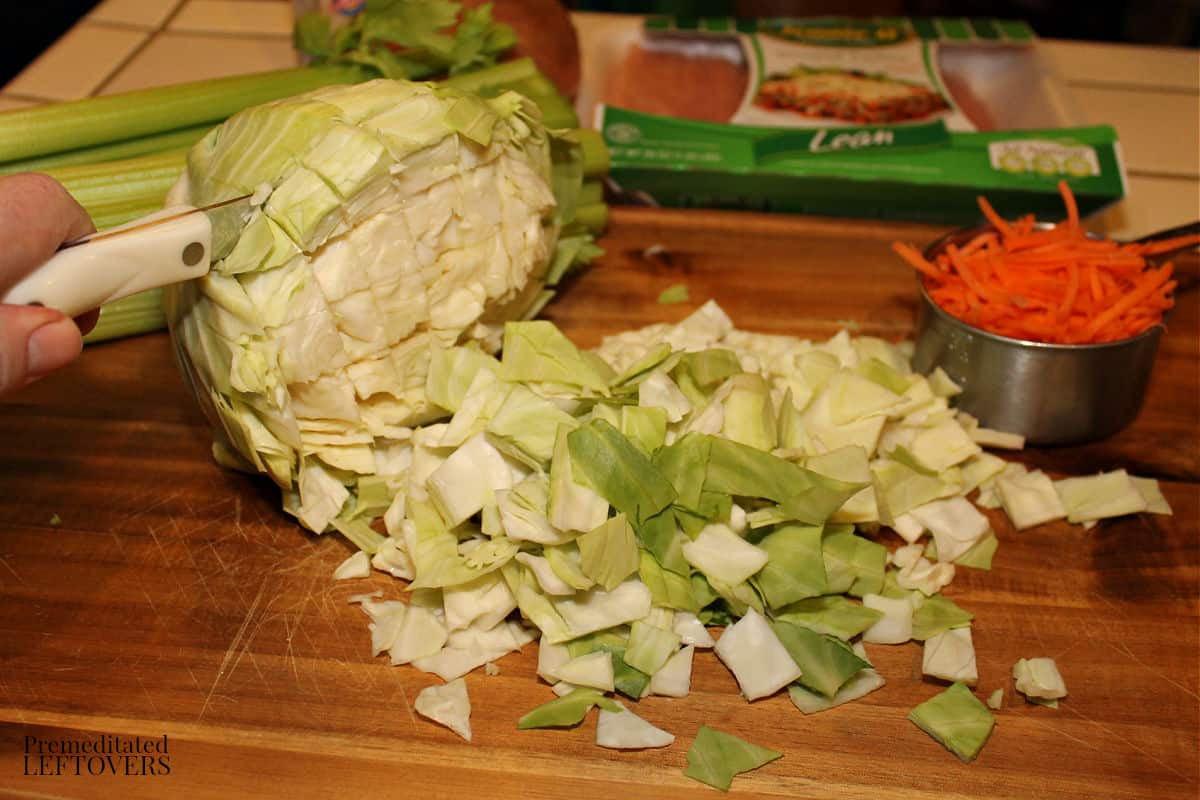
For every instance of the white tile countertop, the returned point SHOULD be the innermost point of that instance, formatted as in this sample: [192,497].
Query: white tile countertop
[1151,95]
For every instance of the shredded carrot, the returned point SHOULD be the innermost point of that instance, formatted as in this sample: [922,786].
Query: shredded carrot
[1094,283]
[995,219]
[1070,204]
[1072,290]
[1056,285]
[913,256]
[1163,245]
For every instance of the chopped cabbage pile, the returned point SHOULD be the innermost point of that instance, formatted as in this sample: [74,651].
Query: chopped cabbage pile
[691,475]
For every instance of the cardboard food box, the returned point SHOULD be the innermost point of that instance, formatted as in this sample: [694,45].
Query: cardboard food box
[897,118]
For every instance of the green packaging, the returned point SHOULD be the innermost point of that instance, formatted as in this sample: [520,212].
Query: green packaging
[889,118]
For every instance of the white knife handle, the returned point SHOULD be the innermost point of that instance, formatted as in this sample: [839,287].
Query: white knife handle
[106,268]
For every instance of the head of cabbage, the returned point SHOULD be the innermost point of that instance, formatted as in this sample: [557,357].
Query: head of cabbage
[389,220]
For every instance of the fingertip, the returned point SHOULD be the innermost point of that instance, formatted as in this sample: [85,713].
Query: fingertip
[52,346]
[33,343]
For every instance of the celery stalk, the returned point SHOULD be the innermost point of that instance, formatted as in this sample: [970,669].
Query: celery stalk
[52,128]
[120,181]
[127,148]
[557,111]
[110,215]
[536,84]
[593,217]
[591,192]
[501,75]
[520,75]
[595,153]
[139,313]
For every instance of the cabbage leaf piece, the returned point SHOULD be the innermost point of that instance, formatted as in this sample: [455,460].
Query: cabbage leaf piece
[832,614]
[609,553]
[657,390]
[537,351]
[826,663]
[662,538]
[1039,679]
[592,671]
[1029,499]
[618,471]
[1109,494]
[528,424]
[899,488]
[853,564]
[628,681]
[938,614]
[447,705]
[435,552]
[675,293]
[566,711]
[451,372]
[981,553]
[675,677]
[645,426]
[572,504]
[860,685]
[707,368]
[795,567]
[624,730]
[722,555]
[684,463]
[596,609]
[956,525]
[667,589]
[957,719]
[743,471]
[895,626]
[950,656]
[716,757]
[1156,503]
[756,657]
[650,647]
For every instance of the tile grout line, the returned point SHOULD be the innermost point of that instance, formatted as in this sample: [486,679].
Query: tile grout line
[1191,177]
[262,36]
[1139,88]
[32,98]
[117,25]
[154,32]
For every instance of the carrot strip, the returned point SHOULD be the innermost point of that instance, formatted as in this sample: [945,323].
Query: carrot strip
[980,242]
[1163,245]
[916,260]
[1072,289]
[1153,280]
[968,276]
[1094,282]
[992,217]
[1071,206]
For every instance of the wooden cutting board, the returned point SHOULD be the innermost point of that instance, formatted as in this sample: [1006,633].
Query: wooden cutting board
[175,599]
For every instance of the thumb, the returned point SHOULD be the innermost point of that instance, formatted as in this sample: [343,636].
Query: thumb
[33,342]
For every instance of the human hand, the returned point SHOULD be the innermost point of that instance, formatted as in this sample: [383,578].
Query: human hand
[36,216]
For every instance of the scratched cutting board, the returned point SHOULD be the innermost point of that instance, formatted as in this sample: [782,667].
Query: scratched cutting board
[175,598]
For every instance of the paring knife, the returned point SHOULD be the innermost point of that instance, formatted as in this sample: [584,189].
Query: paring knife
[176,244]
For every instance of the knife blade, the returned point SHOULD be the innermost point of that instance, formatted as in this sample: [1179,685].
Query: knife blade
[176,244]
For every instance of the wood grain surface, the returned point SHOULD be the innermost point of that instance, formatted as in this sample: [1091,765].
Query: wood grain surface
[175,598]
